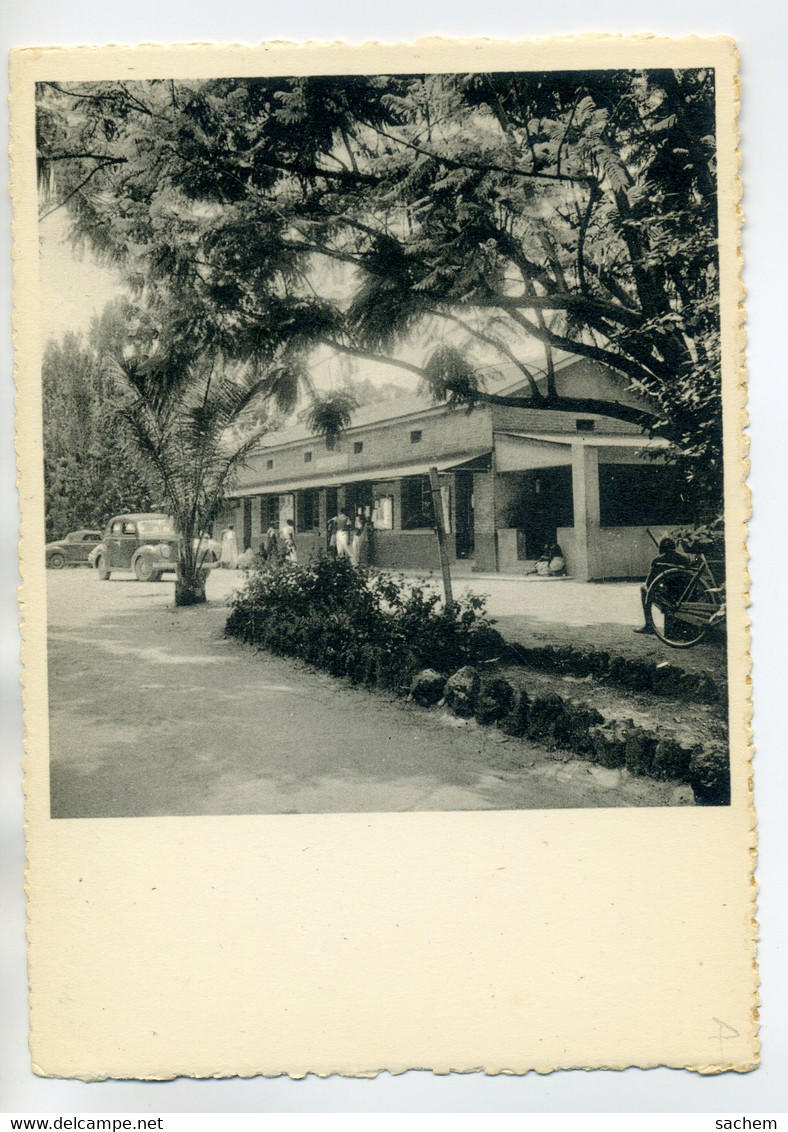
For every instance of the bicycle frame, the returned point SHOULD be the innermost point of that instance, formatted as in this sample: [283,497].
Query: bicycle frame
[701,614]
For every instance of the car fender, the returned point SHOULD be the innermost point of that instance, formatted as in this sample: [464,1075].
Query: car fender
[95,552]
[152,550]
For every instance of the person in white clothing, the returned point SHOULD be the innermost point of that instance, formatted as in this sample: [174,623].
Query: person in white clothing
[229,557]
[288,541]
[343,529]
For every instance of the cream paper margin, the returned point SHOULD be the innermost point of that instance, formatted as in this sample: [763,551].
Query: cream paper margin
[353,943]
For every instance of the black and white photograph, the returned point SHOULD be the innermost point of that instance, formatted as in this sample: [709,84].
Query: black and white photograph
[382,466]
[382,442]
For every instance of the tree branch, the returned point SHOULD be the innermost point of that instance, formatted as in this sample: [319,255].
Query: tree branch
[536,392]
[81,185]
[478,167]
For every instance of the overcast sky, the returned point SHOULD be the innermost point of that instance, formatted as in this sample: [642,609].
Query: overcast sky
[74,287]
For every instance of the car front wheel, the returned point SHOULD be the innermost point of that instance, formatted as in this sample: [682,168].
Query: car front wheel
[101,566]
[144,569]
[56,561]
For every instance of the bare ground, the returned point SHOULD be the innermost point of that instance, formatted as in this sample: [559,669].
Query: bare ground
[154,712]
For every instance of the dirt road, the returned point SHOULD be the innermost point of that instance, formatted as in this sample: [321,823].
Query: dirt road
[153,712]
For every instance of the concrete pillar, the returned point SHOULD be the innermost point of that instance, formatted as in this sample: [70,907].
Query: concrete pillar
[257,521]
[585,495]
[485,551]
[322,510]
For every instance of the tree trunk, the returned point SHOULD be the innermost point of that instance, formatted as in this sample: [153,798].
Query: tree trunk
[190,587]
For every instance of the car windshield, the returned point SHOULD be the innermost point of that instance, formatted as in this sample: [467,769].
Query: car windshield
[161,528]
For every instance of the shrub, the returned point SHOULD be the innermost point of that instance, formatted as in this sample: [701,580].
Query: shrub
[374,630]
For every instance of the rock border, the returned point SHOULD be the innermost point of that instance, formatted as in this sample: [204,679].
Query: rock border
[560,724]
[657,678]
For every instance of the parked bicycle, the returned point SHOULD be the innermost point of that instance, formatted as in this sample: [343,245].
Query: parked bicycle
[683,603]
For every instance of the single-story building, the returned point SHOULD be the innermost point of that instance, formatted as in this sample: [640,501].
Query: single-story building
[513,479]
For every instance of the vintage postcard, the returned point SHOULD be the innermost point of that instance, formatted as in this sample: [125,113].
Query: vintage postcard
[382,469]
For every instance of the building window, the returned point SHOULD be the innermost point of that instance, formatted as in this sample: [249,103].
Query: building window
[269,465]
[269,512]
[358,446]
[307,457]
[308,510]
[584,426]
[415,436]
[640,495]
[417,513]
[383,513]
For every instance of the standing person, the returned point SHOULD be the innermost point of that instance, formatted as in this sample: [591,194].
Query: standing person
[343,529]
[668,556]
[271,544]
[229,556]
[361,544]
[353,539]
[288,541]
[332,538]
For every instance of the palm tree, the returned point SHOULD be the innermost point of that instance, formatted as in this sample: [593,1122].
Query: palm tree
[194,419]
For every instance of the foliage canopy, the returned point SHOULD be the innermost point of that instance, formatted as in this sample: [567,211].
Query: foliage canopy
[444,224]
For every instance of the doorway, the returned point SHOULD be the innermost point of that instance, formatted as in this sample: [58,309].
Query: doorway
[359,500]
[544,505]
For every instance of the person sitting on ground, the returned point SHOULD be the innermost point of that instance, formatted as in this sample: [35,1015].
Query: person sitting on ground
[556,561]
[552,562]
[668,556]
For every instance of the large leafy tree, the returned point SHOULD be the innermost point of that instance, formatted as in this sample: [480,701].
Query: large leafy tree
[84,481]
[445,224]
[192,416]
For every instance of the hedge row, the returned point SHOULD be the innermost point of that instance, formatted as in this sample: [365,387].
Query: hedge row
[659,679]
[376,631]
[557,723]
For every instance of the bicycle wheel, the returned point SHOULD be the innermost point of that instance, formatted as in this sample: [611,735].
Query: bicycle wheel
[679,607]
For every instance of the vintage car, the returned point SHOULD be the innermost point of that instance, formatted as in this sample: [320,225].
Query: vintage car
[73,550]
[147,544]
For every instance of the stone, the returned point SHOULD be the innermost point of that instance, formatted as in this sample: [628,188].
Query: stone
[707,691]
[547,720]
[599,662]
[485,644]
[609,741]
[709,776]
[639,748]
[582,718]
[462,691]
[671,760]
[495,700]
[427,687]
[516,722]
[637,675]
[579,663]
[617,670]
[666,680]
